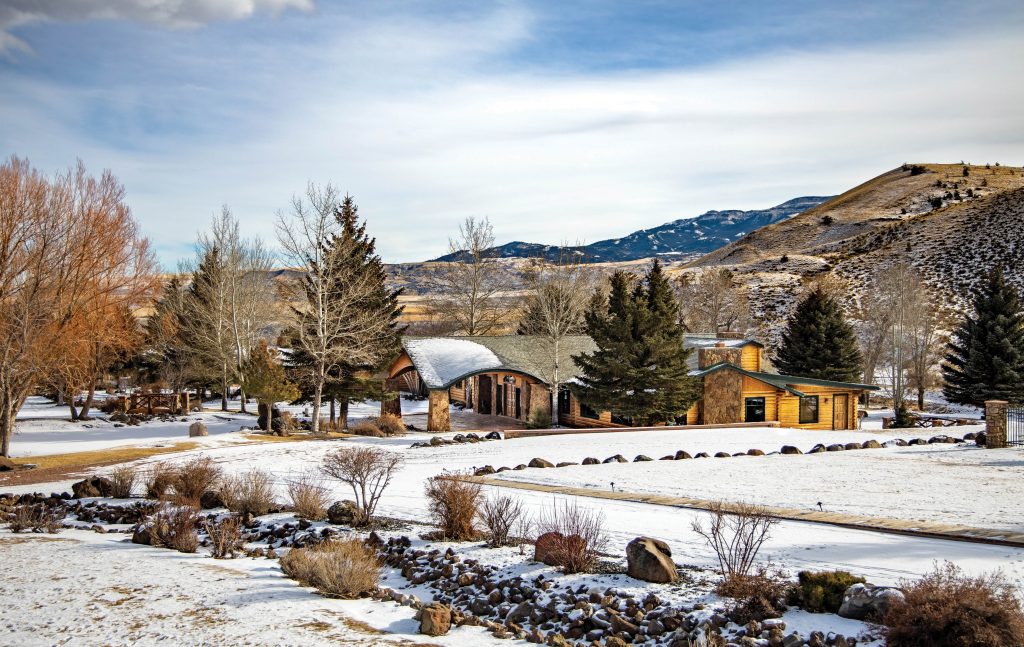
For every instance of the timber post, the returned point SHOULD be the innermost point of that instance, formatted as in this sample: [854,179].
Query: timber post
[438,418]
[995,423]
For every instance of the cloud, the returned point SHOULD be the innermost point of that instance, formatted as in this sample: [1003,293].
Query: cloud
[164,13]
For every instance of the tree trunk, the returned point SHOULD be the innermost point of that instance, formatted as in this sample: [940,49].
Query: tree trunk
[71,407]
[343,412]
[318,393]
[920,398]
[224,388]
[84,413]
[241,394]
[6,425]
[333,415]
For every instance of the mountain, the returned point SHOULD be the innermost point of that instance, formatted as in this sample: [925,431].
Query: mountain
[681,239]
[951,222]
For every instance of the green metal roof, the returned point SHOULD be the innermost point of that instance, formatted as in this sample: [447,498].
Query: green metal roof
[784,382]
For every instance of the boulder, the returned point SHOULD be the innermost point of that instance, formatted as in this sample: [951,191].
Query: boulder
[789,449]
[851,446]
[682,455]
[435,619]
[980,439]
[618,458]
[540,462]
[667,457]
[835,448]
[870,444]
[590,460]
[494,435]
[918,441]
[817,449]
[142,535]
[941,439]
[702,455]
[7,465]
[755,452]
[343,512]
[94,486]
[197,429]
[484,471]
[895,442]
[865,601]
[566,464]
[521,466]
[642,458]
[723,455]
[650,560]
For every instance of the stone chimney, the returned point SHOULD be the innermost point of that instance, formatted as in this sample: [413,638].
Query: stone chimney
[718,353]
[729,334]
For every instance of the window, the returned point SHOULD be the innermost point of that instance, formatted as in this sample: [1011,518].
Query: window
[587,412]
[754,410]
[621,420]
[808,409]
[563,401]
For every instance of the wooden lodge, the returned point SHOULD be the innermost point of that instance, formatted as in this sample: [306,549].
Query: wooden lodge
[510,376]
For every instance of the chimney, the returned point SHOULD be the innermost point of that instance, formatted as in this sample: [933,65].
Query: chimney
[718,353]
[729,334]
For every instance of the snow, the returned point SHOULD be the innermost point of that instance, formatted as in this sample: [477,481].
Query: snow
[441,361]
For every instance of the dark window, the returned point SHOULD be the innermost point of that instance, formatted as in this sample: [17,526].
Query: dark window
[621,420]
[587,412]
[754,410]
[808,409]
[563,401]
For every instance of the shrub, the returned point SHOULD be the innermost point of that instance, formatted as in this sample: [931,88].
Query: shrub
[160,479]
[367,470]
[822,591]
[122,481]
[309,496]
[249,493]
[736,535]
[345,569]
[578,536]
[947,608]
[366,428]
[827,220]
[390,424]
[225,536]
[174,526]
[538,420]
[36,518]
[917,169]
[454,504]
[500,514]
[757,596]
[193,478]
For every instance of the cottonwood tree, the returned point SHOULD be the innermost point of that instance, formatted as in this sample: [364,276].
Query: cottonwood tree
[555,306]
[818,341]
[471,291]
[711,301]
[339,318]
[69,251]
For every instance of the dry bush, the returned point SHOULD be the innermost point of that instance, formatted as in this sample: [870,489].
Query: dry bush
[501,514]
[758,595]
[947,608]
[225,536]
[251,492]
[123,479]
[345,569]
[309,496]
[367,470]
[366,428]
[390,424]
[193,478]
[454,503]
[160,479]
[36,518]
[736,535]
[580,535]
[174,526]
[822,591]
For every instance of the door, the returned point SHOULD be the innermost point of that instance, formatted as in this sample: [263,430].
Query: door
[841,411]
[519,404]
[500,401]
[485,394]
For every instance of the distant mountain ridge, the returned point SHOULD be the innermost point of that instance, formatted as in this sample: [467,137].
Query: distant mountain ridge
[677,240]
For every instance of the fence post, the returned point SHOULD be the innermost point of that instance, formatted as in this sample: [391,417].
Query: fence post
[995,423]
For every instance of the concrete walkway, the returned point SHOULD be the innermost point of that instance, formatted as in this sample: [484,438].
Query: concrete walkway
[465,421]
[858,522]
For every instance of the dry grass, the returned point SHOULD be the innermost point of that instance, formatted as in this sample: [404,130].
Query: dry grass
[366,428]
[36,518]
[160,480]
[123,480]
[174,526]
[225,536]
[193,478]
[454,504]
[249,493]
[344,569]
[309,495]
[390,424]
[56,467]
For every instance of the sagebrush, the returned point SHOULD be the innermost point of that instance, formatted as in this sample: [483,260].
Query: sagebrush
[225,536]
[736,535]
[123,480]
[500,515]
[174,526]
[345,568]
[454,504]
[36,518]
[251,492]
[193,478]
[309,496]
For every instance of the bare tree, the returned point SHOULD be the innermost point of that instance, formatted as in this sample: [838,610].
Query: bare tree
[875,320]
[712,301]
[926,344]
[736,534]
[575,536]
[500,515]
[367,470]
[335,323]
[559,293]
[471,290]
[69,251]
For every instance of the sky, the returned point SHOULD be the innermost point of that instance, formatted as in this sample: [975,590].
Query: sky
[558,121]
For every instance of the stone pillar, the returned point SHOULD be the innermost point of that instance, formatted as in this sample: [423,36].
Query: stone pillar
[438,418]
[995,423]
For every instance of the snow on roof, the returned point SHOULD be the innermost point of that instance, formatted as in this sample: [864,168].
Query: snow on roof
[441,361]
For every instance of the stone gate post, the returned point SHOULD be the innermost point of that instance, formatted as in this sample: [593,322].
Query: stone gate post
[995,423]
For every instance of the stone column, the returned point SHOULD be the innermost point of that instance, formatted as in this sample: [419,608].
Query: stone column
[995,423]
[438,418]
[393,405]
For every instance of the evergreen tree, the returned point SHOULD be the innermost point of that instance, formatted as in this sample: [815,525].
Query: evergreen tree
[985,358]
[266,381]
[639,370]
[818,342]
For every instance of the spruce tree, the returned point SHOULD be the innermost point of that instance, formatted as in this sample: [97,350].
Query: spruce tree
[639,370]
[818,342]
[266,381]
[985,358]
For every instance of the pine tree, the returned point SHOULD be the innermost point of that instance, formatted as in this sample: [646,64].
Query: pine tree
[985,358]
[818,341]
[266,381]
[639,370]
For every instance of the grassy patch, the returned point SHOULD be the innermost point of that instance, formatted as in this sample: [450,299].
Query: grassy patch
[54,467]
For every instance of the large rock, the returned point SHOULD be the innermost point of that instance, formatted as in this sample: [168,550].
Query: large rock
[650,560]
[143,534]
[343,512]
[590,460]
[870,444]
[94,486]
[682,455]
[545,546]
[197,429]
[540,462]
[790,450]
[867,601]
[435,619]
